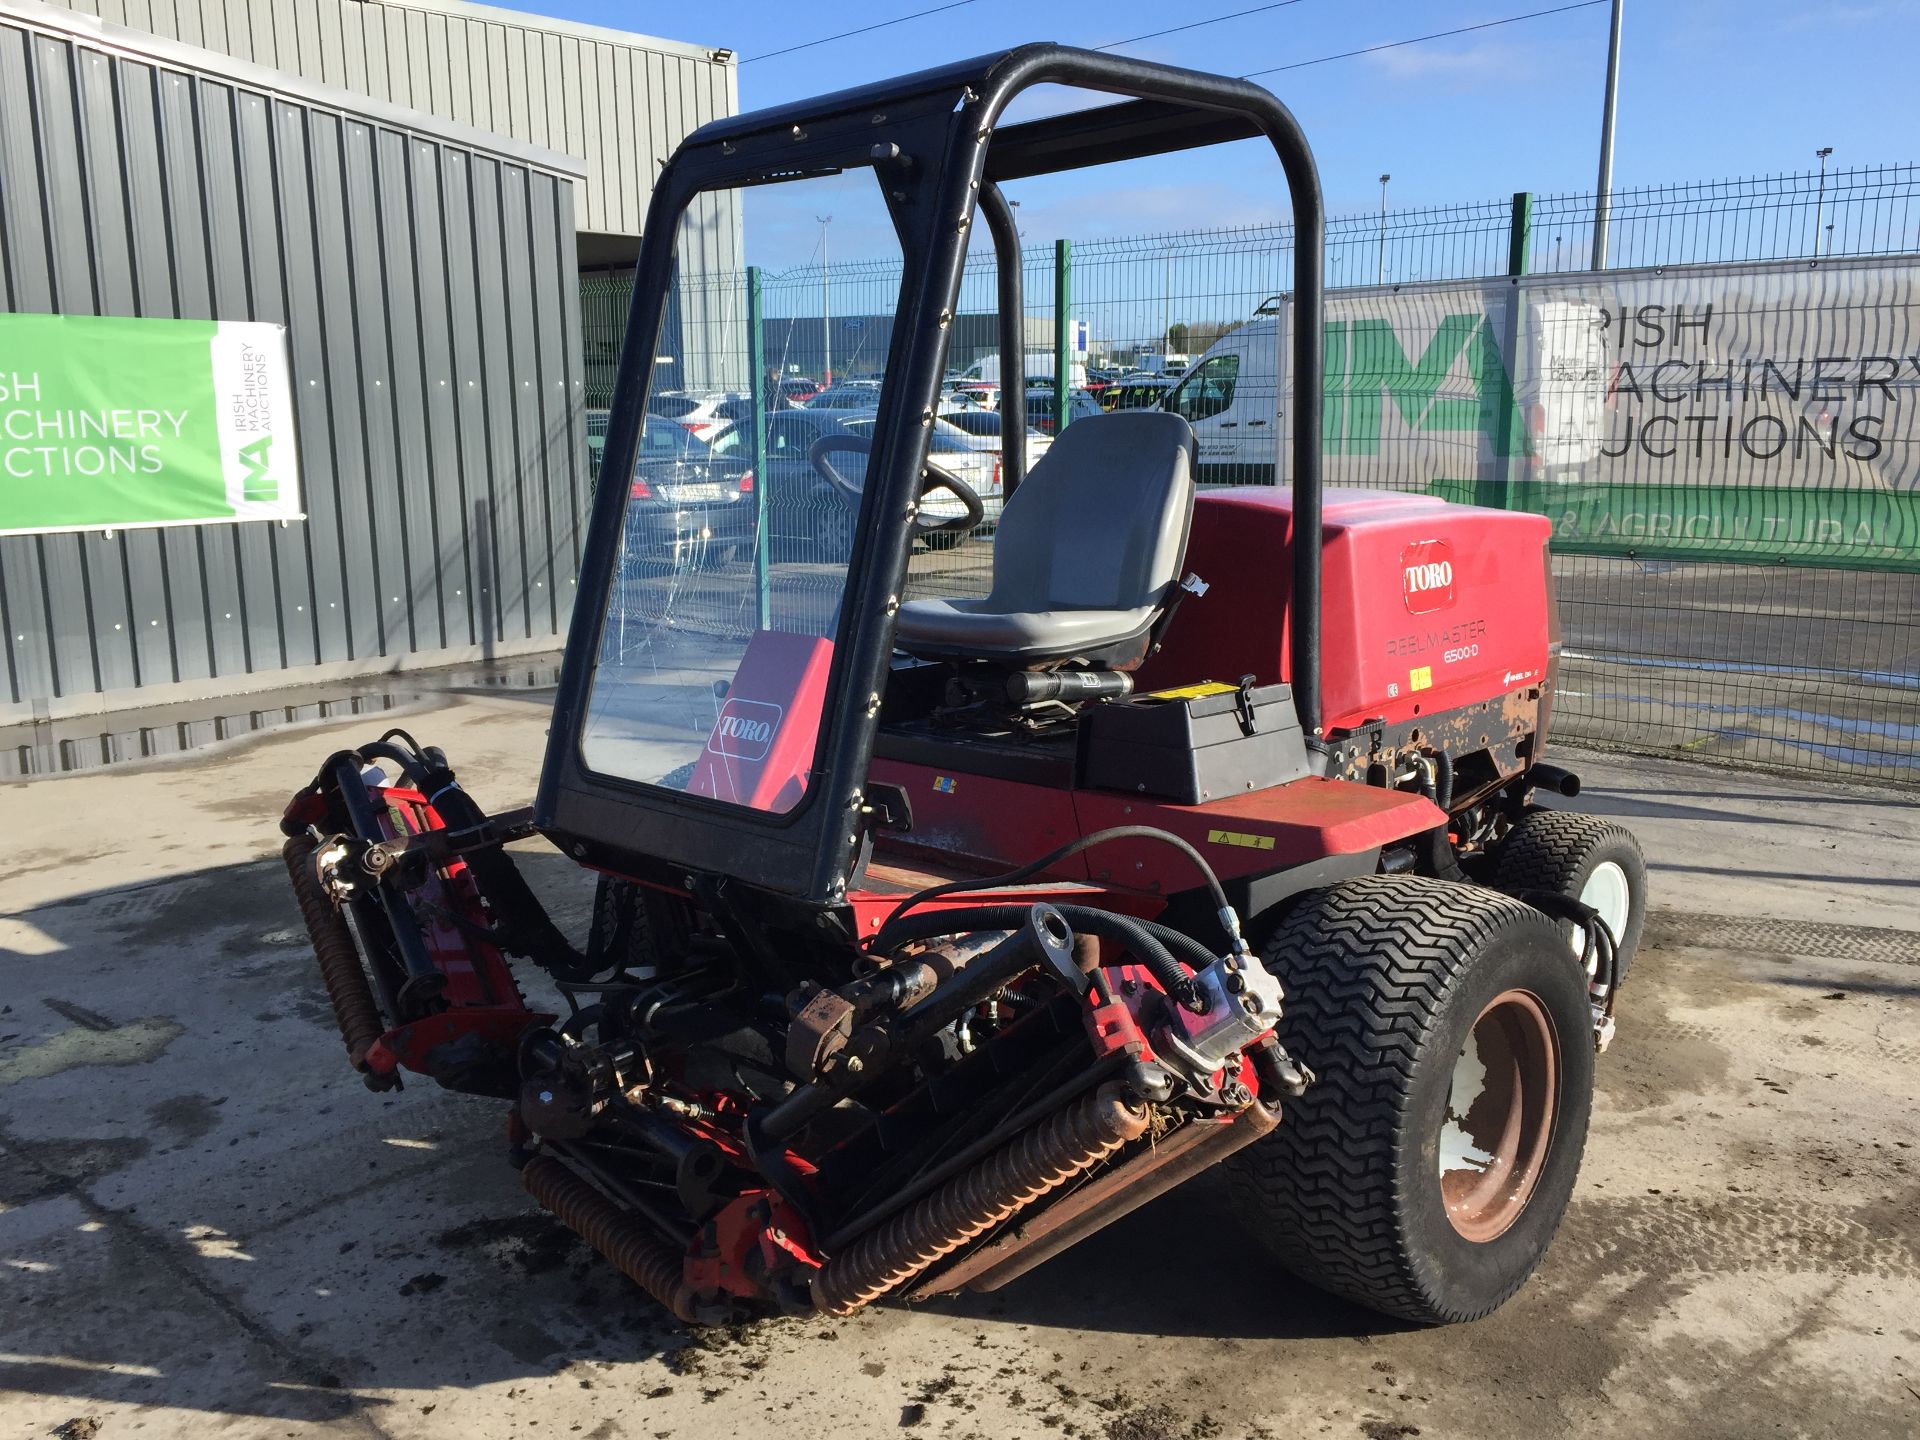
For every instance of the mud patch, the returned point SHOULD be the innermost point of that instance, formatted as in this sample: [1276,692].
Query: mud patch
[1159,1421]
[53,1167]
[241,897]
[533,1243]
[311,1006]
[1652,1065]
[134,1043]
[187,1117]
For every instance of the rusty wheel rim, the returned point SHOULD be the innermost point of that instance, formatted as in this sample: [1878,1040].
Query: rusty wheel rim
[1499,1121]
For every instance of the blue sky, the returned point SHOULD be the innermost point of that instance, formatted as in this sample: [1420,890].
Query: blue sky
[1709,88]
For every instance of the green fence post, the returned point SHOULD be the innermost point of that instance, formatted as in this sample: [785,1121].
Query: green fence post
[1519,232]
[1062,332]
[757,448]
[1510,428]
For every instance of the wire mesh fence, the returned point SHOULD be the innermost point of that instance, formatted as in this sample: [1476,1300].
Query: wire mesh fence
[1716,426]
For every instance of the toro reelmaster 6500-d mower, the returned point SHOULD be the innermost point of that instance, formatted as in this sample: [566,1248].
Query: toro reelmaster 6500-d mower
[948,913]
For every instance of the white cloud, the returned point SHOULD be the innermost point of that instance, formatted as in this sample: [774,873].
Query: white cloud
[1485,62]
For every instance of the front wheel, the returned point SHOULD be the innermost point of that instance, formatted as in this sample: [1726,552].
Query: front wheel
[1426,1169]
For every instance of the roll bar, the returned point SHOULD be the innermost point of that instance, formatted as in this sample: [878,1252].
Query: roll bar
[1176,110]
[933,142]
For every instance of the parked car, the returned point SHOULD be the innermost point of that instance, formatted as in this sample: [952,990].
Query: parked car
[797,390]
[685,500]
[809,520]
[1042,415]
[854,395]
[983,426]
[700,410]
[981,393]
[1139,394]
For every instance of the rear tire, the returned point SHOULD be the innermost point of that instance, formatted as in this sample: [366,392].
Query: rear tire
[1585,858]
[1410,1178]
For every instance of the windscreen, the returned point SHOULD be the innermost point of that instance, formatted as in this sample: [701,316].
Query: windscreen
[734,554]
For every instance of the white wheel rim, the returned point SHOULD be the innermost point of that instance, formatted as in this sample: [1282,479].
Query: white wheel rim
[1606,891]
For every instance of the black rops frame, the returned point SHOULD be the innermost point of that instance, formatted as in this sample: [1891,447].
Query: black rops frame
[932,141]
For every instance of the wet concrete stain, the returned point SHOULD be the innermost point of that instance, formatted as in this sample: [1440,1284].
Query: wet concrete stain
[53,1167]
[186,1117]
[236,898]
[135,1043]
[1651,1066]
[533,1243]
[310,1005]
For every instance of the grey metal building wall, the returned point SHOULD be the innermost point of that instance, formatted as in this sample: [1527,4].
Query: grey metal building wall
[620,102]
[427,281]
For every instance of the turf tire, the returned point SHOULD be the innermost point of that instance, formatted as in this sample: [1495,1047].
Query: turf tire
[1385,977]
[1558,850]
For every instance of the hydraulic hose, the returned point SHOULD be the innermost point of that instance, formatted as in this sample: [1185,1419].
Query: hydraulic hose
[521,917]
[1153,944]
[1074,847]
[1443,780]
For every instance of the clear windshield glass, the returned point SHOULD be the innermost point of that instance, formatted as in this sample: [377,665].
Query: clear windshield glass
[734,554]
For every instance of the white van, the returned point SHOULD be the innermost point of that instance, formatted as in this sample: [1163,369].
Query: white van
[1039,364]
[1412,396]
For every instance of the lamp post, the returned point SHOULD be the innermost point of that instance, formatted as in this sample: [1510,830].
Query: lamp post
[826,304]
[1603,192]
[1381,278]
[1820,204]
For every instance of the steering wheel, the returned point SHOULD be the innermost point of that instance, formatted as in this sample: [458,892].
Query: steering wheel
[937,479]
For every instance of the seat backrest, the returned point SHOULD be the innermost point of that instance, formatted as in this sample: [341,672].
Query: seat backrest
[1101,522]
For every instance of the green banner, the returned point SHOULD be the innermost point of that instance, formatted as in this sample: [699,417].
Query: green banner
[110,423]
[1850,529]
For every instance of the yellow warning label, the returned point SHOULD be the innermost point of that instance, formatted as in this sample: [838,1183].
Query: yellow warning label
[1421,679]
[1240,838]
[1192,692]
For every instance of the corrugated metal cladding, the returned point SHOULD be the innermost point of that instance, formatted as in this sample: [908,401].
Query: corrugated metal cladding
[620,102]
[428,286]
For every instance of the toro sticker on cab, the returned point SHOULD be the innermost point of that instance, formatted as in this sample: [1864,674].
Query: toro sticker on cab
[1426,576]
[745,729]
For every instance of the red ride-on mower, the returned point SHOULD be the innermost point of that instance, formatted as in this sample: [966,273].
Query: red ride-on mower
[946,914]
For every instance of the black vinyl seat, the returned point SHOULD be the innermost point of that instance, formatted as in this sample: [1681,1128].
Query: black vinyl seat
[1086,555]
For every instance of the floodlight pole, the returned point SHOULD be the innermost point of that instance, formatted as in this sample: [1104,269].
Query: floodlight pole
[1382,277]
[1603,197]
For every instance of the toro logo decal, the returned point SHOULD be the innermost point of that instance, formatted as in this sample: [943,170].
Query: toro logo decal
[745,729]
[1426,576]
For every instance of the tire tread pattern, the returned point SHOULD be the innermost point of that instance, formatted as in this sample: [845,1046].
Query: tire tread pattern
[1545,852]
[1368,966]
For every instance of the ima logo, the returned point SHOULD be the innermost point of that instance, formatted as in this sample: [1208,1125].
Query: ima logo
[745,729]
[1426,576]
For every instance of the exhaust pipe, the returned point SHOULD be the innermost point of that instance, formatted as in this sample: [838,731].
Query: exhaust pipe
[1552,777]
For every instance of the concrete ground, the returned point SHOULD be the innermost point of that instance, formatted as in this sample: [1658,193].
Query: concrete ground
[208,1227]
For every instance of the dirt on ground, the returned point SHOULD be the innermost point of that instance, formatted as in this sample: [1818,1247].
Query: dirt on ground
[208,1227]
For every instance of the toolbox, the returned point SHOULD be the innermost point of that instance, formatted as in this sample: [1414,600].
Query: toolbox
[1194,744]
